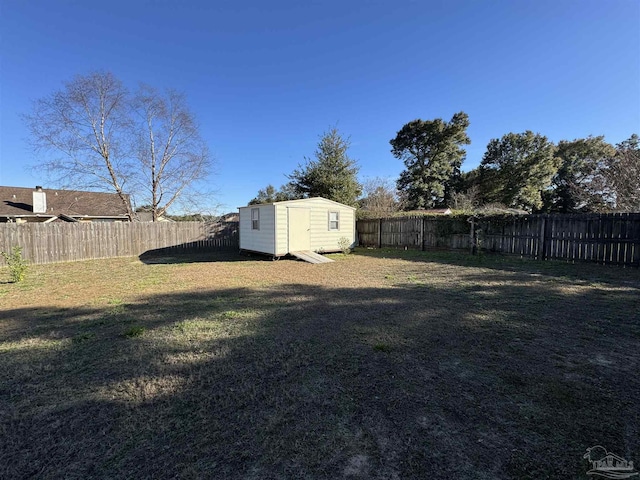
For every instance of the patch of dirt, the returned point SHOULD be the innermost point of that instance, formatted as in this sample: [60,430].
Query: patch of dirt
[358,466]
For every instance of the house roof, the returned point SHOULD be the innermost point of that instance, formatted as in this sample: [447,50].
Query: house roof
[148,217]
[18,202]
[229,217]
[431,211]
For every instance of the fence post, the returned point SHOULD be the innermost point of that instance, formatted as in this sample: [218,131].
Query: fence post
[472,236]
[422,234]
[546,240]
[542,241]
[380,233]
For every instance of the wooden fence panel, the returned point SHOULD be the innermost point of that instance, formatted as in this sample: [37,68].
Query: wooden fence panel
[602,238]
[404,232]
[610,239]
[368,232]
[430,234]
[63,242]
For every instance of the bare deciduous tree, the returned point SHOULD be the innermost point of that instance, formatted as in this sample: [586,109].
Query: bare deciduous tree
[621,176]
[467,201]
[171,152]
[99,136]
[380,198]
[85,126]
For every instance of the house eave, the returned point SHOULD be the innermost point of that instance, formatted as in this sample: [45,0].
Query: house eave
[90,217]
[28,216]
[66,217]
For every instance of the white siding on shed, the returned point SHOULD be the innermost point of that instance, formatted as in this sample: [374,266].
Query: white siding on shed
[282,234]
[262,240]
[273,236]
[324,239]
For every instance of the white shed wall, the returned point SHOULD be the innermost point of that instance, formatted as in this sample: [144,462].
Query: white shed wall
[282,222]
[272,238]
[262,240]
[322,239]
[325,240]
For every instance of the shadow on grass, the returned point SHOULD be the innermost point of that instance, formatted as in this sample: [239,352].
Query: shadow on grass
[165,256]
[155,257]
[587,272]
[306,381]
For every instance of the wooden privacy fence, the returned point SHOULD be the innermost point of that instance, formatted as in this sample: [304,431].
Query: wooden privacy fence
[606,238]
[420,233]
[63,242]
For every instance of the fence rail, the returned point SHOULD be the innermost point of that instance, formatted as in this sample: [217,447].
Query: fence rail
[63,242]
[606,238]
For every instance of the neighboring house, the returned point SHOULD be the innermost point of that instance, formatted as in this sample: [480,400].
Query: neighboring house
[148,217]
[230,217]
[432,211]
[311,224]
[21,205]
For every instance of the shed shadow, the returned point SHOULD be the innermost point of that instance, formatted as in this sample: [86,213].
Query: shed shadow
[175,255]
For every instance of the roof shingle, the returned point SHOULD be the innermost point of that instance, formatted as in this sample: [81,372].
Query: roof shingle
[18,201]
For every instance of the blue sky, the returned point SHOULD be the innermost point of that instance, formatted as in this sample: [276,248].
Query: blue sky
[266,79]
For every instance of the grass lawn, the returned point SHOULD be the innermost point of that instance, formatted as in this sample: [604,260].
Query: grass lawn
[382,365]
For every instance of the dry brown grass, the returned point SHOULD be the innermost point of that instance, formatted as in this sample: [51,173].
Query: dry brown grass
[381,365]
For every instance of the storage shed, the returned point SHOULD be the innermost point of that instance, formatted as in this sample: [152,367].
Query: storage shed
[307,225]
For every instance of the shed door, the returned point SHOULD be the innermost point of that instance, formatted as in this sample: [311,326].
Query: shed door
[299,229]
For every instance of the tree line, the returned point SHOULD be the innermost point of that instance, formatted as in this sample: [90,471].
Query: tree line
[147,143]
[520,171]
